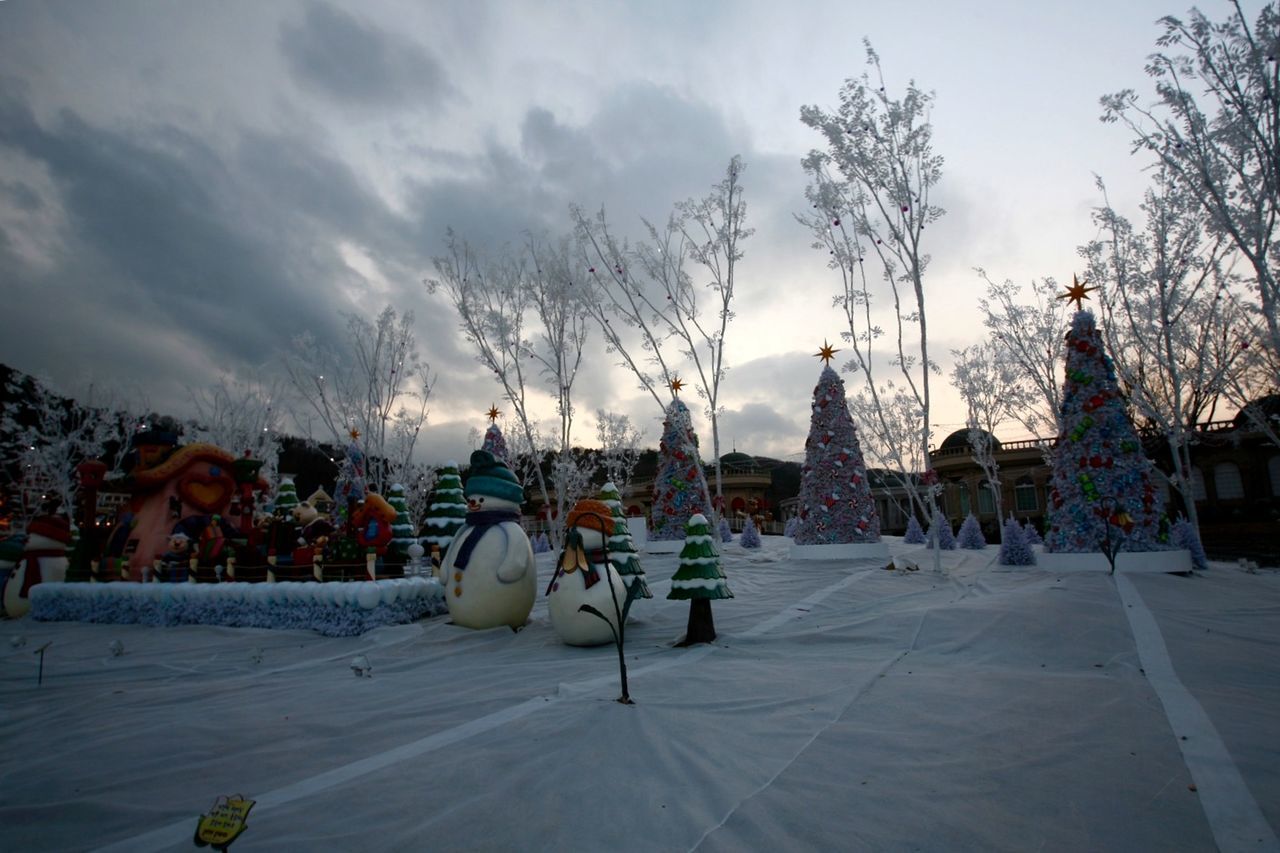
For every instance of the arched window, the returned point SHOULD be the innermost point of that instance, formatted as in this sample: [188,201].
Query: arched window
[1226,481]
[1024,495]
[1197,484]
[962,490]
[986,498]
[635,511]
[1273,470]
[737,505]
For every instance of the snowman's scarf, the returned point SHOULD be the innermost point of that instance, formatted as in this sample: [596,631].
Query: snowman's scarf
[480,522]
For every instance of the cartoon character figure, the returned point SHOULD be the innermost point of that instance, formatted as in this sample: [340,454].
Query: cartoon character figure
[584,577]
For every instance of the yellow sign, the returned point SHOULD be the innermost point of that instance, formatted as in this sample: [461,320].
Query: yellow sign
[224,822]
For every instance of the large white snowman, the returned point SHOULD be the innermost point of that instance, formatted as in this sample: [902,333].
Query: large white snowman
[584,576]
[488,571]
[44,560]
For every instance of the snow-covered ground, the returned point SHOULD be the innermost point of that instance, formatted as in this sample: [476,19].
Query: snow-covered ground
[843,707]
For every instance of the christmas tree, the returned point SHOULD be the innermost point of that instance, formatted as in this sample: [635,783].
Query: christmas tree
[1014,550]
[970,536]
[680,487]
[1031,534]
[790,528]
[835,497]
[750,537]
[447,510]
[1103,486]
[494,441]
[915,533]
[540,543]
[946,539]
[622,549]
[351,487]
[726,533]
[286,498]
[402,528]
[699,580]
[1183,535]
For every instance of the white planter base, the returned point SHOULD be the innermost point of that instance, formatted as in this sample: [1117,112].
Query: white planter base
[1126,561]
[663,546]
[842,551]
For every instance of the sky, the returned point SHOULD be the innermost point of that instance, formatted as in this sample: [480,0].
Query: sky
[185,187]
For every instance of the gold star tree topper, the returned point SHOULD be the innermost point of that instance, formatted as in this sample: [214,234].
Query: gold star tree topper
[827,352]
[493,414]
[676,385]
[354,433]
[1077,292]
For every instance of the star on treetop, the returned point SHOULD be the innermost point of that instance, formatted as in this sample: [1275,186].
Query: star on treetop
[354,433]
[493,414]
[827,352]
[676,385]
[1077,292]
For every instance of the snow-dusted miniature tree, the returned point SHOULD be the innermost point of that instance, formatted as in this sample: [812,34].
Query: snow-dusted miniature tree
[647,289]
[970,536]
[1183,534]
[286,497]
[915,533]
[699,580]
[870,189]
[942,529]
[622,549]
[750,537]
[447,511]
[726,532]
[835,498]
[679,487]
[1014,550]
[1103,486]
[789,529]
[1031,534]
[402,529]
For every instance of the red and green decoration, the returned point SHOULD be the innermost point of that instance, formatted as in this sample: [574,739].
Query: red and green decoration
[494,441]
[1103,489]
[622,550]
[286,498]
[699,580]
[447,511]
[351,487]
[836,506]
[680,487]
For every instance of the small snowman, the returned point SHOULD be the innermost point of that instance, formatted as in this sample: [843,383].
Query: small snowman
[488,572]
[44,560]
[584,577]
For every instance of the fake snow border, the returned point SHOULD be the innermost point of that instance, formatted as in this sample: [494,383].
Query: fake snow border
[1126,561]
[841,551]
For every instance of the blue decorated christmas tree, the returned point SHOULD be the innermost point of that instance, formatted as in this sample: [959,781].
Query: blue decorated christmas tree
[680,487]
[915,533]
[1103,486]
[946,539]
[970,536]
[1014,550]
[835,498]
[750,537]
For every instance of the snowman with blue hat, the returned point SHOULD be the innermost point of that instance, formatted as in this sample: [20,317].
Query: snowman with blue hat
[488,571]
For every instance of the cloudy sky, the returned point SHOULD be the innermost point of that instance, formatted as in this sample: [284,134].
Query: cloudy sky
[186,186]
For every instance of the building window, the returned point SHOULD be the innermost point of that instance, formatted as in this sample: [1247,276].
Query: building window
[1197,485]
[1273,469]
[986,499]
[1024,495]
[962,489]
[1226,481]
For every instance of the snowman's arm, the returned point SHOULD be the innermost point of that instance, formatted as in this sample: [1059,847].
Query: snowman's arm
[519,561]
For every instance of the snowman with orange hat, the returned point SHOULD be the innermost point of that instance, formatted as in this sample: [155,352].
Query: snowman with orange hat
[584,578]
[44,560]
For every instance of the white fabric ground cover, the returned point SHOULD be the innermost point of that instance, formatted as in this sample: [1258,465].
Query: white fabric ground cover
[842,707]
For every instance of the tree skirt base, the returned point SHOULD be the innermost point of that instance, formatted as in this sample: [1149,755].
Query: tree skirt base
[1126,561]
[841,551]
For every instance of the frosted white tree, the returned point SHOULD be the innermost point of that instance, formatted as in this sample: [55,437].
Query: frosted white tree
[870,193]
[619,447]
[1028,337]
[1170,319]
[1215,126]
[644,291]
[239,414]
[993,393]
[372,384]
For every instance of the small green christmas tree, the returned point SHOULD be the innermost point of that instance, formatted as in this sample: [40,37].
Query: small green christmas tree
[699,579]
[402,528]
[286,498]
[622,549]
[447,511]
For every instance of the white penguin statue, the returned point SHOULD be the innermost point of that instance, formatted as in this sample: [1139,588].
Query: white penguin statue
[44,560]
[584,576]
[488,572]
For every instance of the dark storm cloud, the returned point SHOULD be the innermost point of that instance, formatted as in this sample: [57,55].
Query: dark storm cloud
[359,64]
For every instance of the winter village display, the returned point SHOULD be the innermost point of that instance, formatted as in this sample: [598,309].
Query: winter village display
[838,517]
[586,599]
[489,574]
[699,580]
[680,486]
[1103,497]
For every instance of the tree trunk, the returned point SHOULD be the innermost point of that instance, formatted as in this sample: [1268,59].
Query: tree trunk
[701,627]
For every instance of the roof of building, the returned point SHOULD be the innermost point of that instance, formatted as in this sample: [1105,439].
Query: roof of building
[960,439]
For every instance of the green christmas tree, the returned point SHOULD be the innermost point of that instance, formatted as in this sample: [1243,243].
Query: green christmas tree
[622,550]
[286,498]
[699,579]
[402,527]
[447,510]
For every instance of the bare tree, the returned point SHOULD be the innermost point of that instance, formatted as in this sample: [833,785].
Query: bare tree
[1028,337]
[870,192]
[993,392]
[239,415]
[619,446]
[1215,126]
[1170,319]
[372,387]
[646,289]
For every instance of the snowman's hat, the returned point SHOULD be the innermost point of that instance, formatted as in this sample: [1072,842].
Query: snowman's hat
[593,515]
[55,527]
[492,478]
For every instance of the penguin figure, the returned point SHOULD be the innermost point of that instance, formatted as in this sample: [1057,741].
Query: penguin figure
[488,572]
[44,560]
[584,576]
